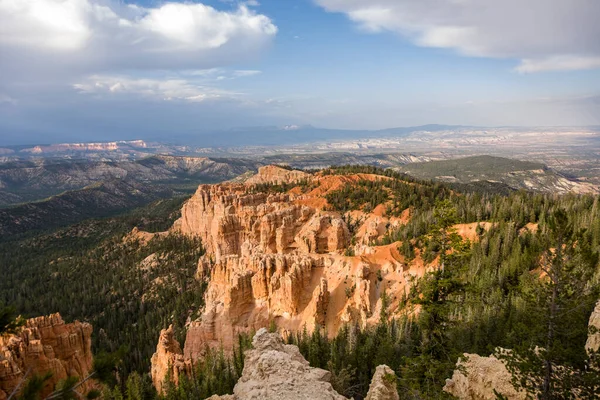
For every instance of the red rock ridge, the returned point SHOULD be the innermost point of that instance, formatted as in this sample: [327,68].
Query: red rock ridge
[45,344]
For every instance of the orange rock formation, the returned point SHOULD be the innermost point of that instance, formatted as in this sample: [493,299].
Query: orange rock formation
[45,344]
[281,257]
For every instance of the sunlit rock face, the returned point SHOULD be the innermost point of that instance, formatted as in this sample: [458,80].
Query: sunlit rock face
[275,257]
[593,342]
[45,344]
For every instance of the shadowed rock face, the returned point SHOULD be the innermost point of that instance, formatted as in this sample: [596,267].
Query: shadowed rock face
[45,344]
[275,371]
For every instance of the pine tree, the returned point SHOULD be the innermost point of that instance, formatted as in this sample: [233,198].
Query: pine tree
[552,363]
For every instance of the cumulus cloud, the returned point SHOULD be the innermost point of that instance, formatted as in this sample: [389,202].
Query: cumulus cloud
[90,35]
[156,89]
[544,34]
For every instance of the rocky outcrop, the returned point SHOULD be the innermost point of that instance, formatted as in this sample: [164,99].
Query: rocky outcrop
[274,371]
[168,361]
[232,222]
[593,342]
[45,344]
[476,378]
[383,385]
[281,258]
[265,258]
[273,174]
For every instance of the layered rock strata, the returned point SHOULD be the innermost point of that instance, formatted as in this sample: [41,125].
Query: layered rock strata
[168,361]
[282,258]
[45,344]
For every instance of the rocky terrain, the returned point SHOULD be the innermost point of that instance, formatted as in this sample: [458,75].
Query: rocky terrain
[45,344]
[24,181]
[476,377]
[275,371]
[282,258]
[593,343]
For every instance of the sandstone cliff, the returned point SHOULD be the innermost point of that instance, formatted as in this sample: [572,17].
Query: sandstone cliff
[274,371]
[282,257]
[168,360]
[45,344]
[277,175]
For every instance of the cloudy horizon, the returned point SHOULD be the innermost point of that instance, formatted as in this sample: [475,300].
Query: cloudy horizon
[92,70]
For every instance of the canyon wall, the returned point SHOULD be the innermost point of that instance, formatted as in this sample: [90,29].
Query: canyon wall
[283,258]
[45,344]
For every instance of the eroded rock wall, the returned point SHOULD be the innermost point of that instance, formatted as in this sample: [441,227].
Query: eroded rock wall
[168,361]
[282,258]
[45,344]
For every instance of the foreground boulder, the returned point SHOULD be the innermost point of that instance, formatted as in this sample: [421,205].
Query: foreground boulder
[476,378]
[593,342]
[45,344]
[383,385]
[275,371]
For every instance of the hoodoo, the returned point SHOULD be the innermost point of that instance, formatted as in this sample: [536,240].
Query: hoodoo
[280,256]
[45,344]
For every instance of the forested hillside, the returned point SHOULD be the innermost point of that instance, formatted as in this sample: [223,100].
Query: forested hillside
[128,288]
[526,279]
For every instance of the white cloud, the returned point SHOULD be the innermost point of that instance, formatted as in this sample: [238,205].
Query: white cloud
[246,72]
[156,89]
[93,34]
[6,99]
[558,63]
[543,34]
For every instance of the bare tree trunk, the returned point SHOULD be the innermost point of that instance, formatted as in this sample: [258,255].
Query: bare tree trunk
[547,387]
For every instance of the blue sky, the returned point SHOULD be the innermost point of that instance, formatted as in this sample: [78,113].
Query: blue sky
[81,70]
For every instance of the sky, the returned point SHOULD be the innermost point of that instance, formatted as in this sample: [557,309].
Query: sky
[92,70]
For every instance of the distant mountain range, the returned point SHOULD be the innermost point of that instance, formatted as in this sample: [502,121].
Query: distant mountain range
[25,181]
[271,140]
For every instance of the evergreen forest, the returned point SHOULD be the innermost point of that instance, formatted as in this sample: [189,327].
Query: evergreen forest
[528,283]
